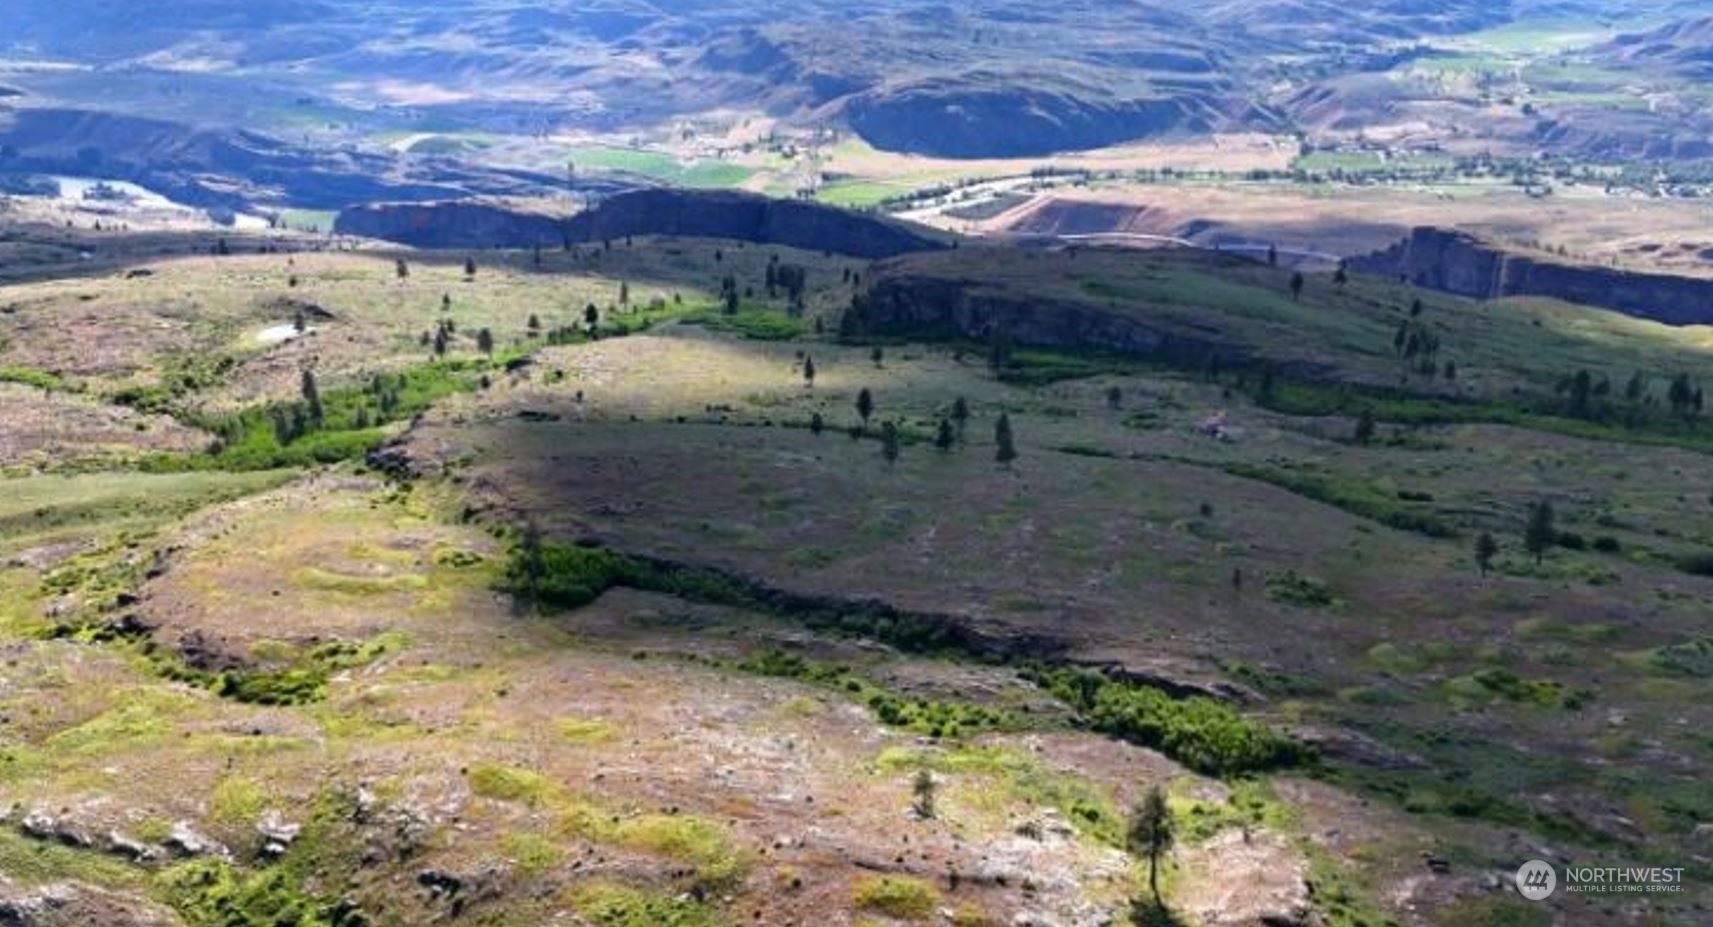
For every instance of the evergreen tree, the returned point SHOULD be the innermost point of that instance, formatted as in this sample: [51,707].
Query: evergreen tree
[889,442]
[1151,834]
[312,397]
[1540,534]
[1637,386]
[1485,548]
[1365,427]
[865,405]
[485,342]
[816,424]
[531,561]
[470,268]
[960,413]
[401,269]
[1005,451]
[944,439]
[1297,285]
[809,371]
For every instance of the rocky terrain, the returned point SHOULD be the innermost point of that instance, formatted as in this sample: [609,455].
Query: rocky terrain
[1463,264]
[680,213]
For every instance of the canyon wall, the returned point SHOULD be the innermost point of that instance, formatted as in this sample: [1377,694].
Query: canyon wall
[1458,263]
[679,213]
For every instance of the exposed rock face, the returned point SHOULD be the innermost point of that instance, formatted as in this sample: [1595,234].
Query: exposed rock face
[1462,264]
[473,223]
[903,302]
[682,213]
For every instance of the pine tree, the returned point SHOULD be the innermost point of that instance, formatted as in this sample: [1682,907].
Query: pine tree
[1151,834]
[960,413]
[944,438]
[591,316]
[531,561]
[401,269]
[470,268]
[1539,535]
[809,371]
[865,405]
[878,356]
[1004,450]
[889,442]
[816,424]
[1365,427]
[1297,285]
[1485,548]
[312,397]
[485,342]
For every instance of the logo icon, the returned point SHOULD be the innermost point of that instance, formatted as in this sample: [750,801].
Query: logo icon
[1536,880]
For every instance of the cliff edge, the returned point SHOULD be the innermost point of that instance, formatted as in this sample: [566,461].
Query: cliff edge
[1459,263]
[677,213]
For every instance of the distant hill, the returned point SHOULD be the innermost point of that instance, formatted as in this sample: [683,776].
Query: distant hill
[1011,78]
[1683,48]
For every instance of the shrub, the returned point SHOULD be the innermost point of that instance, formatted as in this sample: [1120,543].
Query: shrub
[1206,735]
[1303,591]
[902,897]
[1699,564]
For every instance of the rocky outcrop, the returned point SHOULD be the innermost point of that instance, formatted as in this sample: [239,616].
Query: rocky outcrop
[469,224]
[1462,264]
[679,213]
[903,301]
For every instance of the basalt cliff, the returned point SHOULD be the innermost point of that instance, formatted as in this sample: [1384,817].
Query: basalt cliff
[1462,264]
[678,213]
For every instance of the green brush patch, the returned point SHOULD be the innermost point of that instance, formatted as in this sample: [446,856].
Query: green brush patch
[1201,733]
[924,716]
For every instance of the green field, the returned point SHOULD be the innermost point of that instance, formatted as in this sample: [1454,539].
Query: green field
[661,166]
